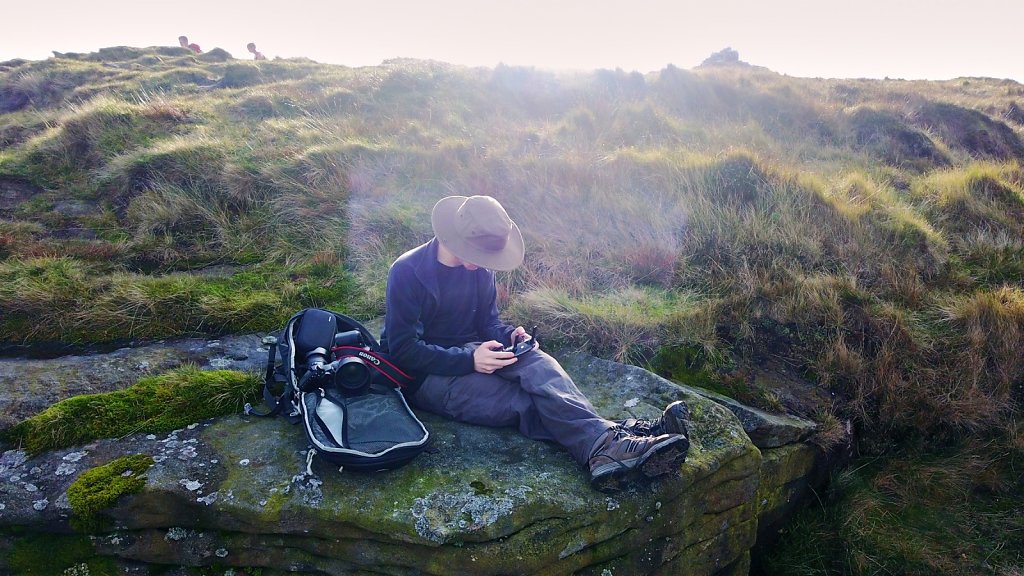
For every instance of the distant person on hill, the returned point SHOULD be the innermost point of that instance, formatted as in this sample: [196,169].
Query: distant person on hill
[183,40]
[256,55]
[442,326]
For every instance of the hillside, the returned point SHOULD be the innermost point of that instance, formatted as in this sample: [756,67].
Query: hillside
[849,250]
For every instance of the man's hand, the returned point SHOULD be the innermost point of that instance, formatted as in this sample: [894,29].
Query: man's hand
[518,334]
[488,357]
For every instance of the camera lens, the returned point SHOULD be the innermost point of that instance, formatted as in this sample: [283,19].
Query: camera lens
[352,376]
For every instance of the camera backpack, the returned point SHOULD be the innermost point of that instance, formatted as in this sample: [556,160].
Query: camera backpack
[335,381]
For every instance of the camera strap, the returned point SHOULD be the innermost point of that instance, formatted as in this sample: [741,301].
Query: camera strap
[378,361]
[272,378]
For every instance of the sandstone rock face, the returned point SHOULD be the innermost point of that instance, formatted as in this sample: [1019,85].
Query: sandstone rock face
[765,430]
[787,475]
[235,492]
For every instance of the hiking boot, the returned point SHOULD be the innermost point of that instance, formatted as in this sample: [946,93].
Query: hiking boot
[617,452]
[672,421]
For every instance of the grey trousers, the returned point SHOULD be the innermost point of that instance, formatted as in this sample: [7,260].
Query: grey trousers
[535,394]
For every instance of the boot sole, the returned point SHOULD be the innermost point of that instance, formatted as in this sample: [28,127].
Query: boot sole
[611,482]
[666,458]
[675,418]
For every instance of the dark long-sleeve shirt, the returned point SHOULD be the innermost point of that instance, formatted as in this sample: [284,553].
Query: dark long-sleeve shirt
[434,310]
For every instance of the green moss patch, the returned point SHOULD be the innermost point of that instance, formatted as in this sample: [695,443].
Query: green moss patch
[155,404]
[55,554]
[683,364]
[100,487]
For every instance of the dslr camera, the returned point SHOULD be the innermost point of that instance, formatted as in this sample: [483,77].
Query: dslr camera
[330,358]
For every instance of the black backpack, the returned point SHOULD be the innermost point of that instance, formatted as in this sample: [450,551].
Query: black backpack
[345,392]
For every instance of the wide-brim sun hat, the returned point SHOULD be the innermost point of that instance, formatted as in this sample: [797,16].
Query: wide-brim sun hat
[478,230]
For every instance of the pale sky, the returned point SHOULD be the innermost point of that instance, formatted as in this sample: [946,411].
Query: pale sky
[912,39]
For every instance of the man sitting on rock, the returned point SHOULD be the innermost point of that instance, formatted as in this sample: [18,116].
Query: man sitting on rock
[442,326]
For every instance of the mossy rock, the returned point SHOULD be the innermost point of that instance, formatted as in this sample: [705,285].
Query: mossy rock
[765,429]
[233,492]
[786,476]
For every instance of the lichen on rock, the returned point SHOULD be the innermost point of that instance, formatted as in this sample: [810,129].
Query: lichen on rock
[441,515]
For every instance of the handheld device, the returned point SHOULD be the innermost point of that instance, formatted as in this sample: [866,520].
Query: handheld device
[520,347]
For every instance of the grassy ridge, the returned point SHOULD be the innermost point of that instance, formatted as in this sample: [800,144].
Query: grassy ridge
[863,235]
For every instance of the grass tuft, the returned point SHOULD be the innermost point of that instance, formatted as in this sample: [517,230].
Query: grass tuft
[66,300]
[193,161]
[971,131]
[991,325]
[154,404]
[885,134]
[982,197]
